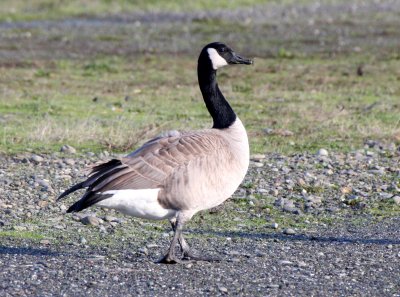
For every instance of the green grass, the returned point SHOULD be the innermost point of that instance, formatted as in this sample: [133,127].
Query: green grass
[81,102]
[22,234]
[17,10]
[47,104]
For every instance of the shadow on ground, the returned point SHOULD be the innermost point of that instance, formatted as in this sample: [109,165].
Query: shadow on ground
[302,237]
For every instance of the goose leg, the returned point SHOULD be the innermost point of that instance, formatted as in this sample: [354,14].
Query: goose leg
[187,251]
[177,226]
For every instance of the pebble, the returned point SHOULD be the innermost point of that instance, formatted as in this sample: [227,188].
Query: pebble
[274,225]
[70,162]
[322,152]
[68,149]
[83,240]
[396,200]
[110,219]
[144,251]
[257,157]
[90,220]
[37,159]
[223,289]
[346,190]
[258,164]
[292,209]
[386,195]
[44,183]
[289,231]
[261,254]
[301,264]
[43,203]
[285,262]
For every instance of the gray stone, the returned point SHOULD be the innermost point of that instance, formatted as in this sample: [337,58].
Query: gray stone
[274,225]
[90,220]
[37,159]
[289,231]
[285,262]
[282,202]
[301,264]
[261,254]
[322,152]
[110,219]
[257,157]
[68,149]
[385,195]
[70,162]
[45,242]
[44,183]
[291,209]
[143,251]
[396,200]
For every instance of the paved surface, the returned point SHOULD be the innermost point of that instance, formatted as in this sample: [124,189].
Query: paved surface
[343,261]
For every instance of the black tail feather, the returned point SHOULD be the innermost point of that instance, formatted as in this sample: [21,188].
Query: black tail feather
[70,190]
[96,176]
[87,200]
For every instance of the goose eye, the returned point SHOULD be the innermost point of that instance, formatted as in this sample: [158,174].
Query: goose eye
[222,50]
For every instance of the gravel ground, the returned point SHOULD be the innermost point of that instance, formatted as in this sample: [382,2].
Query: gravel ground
[323,224]
[319,224]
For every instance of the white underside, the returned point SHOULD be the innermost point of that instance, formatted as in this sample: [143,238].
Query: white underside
[141,203]
[216,60]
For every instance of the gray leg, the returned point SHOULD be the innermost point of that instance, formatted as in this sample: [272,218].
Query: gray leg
[170,257]
[188,253]
[182,242]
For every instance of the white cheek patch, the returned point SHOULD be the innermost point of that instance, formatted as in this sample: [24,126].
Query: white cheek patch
[216,60]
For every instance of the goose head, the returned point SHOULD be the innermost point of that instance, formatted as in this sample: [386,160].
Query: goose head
[218,55]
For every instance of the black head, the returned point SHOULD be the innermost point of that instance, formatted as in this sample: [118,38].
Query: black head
[221,55]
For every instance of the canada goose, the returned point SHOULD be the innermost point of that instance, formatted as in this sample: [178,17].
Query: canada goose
[176,175]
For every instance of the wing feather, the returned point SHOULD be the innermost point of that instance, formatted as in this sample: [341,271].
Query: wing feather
[151,166]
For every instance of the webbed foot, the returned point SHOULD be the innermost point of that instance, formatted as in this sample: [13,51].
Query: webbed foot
[170,259]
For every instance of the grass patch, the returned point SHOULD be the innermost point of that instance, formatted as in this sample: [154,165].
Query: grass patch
[384,208]
[22,234]
[17,10]
[116,103]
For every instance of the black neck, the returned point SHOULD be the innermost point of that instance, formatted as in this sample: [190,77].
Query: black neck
[219,109]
